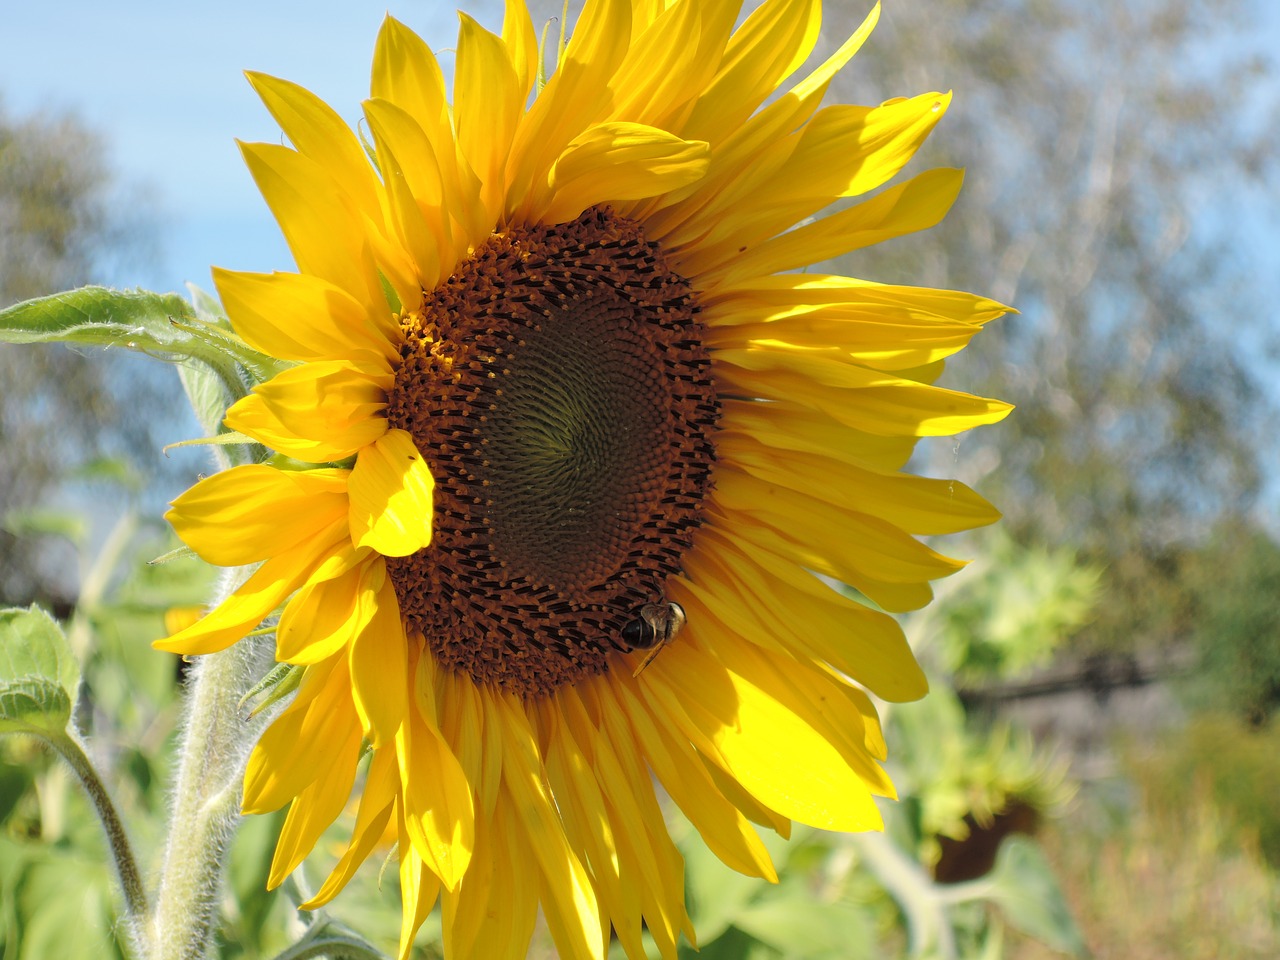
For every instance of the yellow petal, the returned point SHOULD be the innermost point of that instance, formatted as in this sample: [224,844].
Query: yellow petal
[325,232]
[320,619]
[318,132]
[522,44]
[300,317]
[763,744]
[379,658]
[568,901]
[803,613]
[786,295]
[377,798]
[419,890]
[493,913]
[327,554]
[855,549]
[315,808]
[644,846]
[873,401]
[844,151]
[406,73]
[248,513]
[918,204]
[330,408]
[873,735]
[751,808]
[257,420]
[677,218]
[813,697]
[847,150]
[721,825]
[488,100]
[621,161]
[867,543]
[438,809]
[633,804]
[879,337]
[918,505]
[420,204]
[391,496]
[474,738]
[792,427]
[771,43]
[575,97]
[587,824]
[672,59]
[299,744]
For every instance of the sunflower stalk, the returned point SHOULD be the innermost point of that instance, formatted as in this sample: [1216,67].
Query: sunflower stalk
[927,924]
[214,748]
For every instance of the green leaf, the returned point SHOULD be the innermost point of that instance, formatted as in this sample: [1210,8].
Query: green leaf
[61,901]
[208,393]
[207,307]
[161,325]
[1023,886]
[38,673]
[790,919]
[136,319]
[716,893]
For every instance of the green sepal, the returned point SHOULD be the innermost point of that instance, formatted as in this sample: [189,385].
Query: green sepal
[275,686]
[259,366]
[39,674]
[230,438]
[177,553]
[388,291]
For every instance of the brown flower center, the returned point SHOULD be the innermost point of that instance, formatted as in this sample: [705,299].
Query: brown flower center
[559,387]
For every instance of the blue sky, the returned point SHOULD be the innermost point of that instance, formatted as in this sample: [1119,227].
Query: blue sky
[164,83]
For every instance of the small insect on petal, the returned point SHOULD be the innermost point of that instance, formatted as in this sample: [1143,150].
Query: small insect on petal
[656,626]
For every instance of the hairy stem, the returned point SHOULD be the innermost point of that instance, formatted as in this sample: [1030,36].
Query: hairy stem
[72,750]
[928,926]
[212,754]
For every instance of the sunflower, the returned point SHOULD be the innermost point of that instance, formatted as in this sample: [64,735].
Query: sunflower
[565,453]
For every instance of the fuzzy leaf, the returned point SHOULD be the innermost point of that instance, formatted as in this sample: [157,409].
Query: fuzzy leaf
[38,673]
[1029,896]
[136,319]
[161,325]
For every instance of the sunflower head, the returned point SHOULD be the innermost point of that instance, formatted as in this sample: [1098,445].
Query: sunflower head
[582,455]
[561,380]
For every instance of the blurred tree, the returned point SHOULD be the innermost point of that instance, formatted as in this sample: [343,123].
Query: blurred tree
[1111,150]
[1236,581]
[65,220]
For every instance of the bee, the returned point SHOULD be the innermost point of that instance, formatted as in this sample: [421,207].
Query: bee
[656,626]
